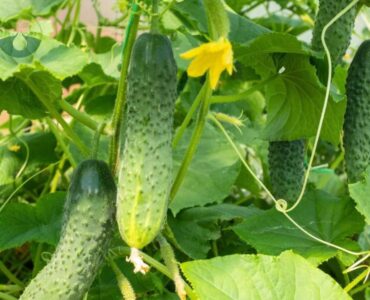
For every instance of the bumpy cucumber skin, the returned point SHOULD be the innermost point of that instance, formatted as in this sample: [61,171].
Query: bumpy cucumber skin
[357,117]
[338,36]
[145,171]
[286,161]
[86,233]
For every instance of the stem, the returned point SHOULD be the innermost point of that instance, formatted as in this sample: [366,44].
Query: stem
[195,139]
[60,140]
[356,281]
[117,118]
[154,26]
[359,289]
[37,262]
[124,251]
[242,96]
[78,115]
[10,275]
[6,296]
[189,116]
[55,114]
[95,148]
[75,22]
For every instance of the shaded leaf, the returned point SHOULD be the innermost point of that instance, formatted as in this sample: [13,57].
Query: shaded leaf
[195,228]
[21,222]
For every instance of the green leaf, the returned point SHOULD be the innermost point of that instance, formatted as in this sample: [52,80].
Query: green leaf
[192,14]
[359,192]
[21,222]
[40,53]
[14,9]
[212,171]
[195,228]
[325,216]
[18,99]
[240,277]
[294,103]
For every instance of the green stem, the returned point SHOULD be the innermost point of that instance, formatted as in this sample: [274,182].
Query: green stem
[356,281]
[75,22]
[10,275]
[124,251]
[37,265]
[242,96]
[130,35]
[180,131]
[61,142]
[195,139]
[10,288]
[359,289]
[81,117]
[95,148]
[6,296]
[154,26]
[35,88]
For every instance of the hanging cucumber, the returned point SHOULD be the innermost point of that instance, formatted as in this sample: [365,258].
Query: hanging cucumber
[145,170]
[86,233]
[338,36]
[286,161]
[357,117]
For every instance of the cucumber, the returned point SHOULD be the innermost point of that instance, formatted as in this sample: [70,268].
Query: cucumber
[338,36]
[357,117]
[145,167]
[86,233]
[286,161]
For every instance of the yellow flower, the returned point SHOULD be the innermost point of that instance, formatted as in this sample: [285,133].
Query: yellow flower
[213,56]
[14,148]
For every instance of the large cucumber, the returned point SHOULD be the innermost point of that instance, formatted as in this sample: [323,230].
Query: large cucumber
[357,117]
[86,233]
[145,169]
[286,161]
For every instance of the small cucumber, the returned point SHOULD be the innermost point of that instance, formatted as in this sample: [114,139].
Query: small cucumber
[86,233]
[286,161]
[357,117]
[145,168]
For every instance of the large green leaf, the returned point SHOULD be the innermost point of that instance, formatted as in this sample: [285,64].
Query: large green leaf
[21,222]
[328,217]
[250,277]
[294,96]
[212,171]
[360,192]
[195,228]
[294,103]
